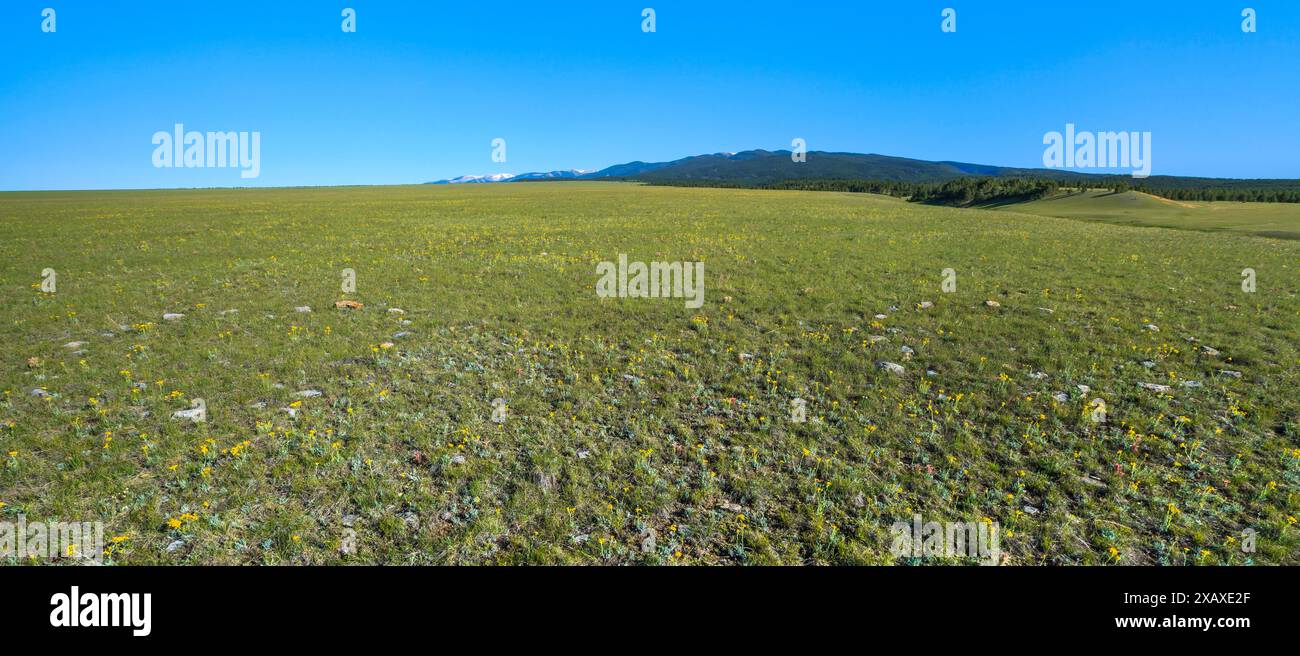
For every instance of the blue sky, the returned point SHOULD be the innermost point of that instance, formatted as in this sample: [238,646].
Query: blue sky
[421,89]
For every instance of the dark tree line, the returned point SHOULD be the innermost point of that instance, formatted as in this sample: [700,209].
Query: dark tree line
[1001,190]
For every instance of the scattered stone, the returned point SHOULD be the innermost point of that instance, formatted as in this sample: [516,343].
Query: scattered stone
[931,372]
[731,507]
[404,322]
[882,316]
[746,356]
[308,393]
[292,412]
[1047,310]
[197,413]
[1149,364]
[1061,397]
[258,406]
[302,308]
[924,305]
[40,393]
[173,316]
[140,386]
[1038,375]
[992,304]
[400,334]
[458,459]
[877,338]
[74,345]
[584,454]
[893,331]
[1083,389]
[396,311]
[893,368]
[1092,480]
[1154,387]
[1229,373]
[1209,351]
[1152,327]
[175,546]
[1029,510]
[349,520]
[1192,383]
[907,352]
[230,311]
[893,308]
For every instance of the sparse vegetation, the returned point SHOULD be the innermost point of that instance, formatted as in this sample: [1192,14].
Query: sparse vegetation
[639,431]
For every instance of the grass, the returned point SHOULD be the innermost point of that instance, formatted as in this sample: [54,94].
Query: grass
[1279,220]
[638,431]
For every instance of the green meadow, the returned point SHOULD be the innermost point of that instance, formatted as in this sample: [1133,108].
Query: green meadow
[638,430]
[1280,220]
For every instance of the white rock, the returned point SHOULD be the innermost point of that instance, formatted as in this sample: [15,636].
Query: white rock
[924,305]
[992,304]
[308,393]
[173,316]
[891,367]
[1061,397]
[396,311]
[1192,383]
[1152,327]
[74,345]
[302,308]
[1230,374]
[1154,387]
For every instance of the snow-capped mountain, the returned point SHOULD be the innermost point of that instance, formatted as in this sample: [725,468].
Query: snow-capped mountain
[494,177]
[511,177]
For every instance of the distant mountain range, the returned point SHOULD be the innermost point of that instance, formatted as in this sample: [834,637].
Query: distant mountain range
[764,166]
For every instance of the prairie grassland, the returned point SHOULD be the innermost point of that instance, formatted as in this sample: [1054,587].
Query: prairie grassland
[638,431]
[1280,220]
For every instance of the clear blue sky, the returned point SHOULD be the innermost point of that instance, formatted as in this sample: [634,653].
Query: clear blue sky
[421,88]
